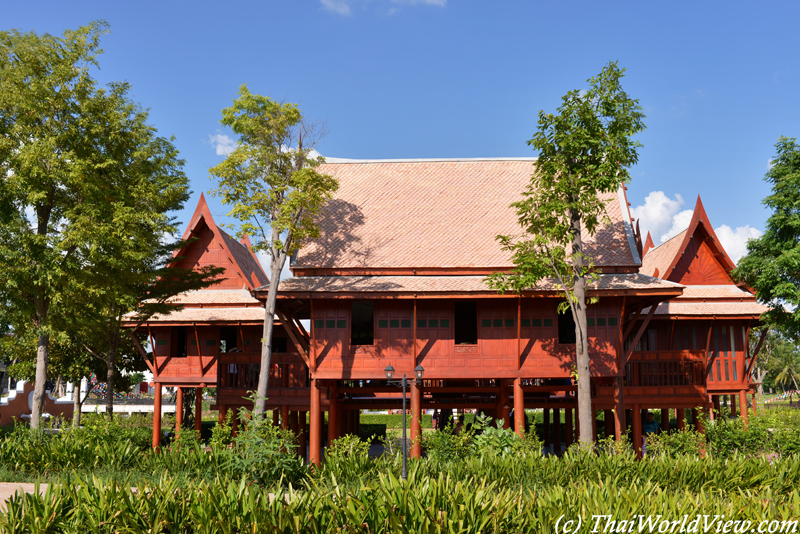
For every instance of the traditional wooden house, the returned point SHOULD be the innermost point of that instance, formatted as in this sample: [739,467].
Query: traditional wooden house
[397,278]
[213,326]
[713,315]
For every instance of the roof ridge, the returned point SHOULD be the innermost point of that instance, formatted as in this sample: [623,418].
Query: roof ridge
[424,160]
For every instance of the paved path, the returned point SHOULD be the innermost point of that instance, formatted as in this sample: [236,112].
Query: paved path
[8,489]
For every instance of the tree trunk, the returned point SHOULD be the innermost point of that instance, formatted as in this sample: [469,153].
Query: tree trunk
[77,404]
[42,355]
[110,360]
[586,416]
[761,375]
[58,390]
[276,265]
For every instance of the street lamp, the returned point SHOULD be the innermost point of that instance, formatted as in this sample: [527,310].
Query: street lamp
[403,383]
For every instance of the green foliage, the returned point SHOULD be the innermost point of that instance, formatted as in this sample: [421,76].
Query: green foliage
[263,453]
[348,459]
[222,432]
[447,446]
[584,152]
[90,185]
[393,420]
[772,263]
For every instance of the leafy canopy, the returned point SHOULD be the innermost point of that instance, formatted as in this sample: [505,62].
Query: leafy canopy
[772,263]
[584,151]
[270,179]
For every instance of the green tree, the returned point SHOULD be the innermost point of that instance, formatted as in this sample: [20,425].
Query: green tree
[772,263]
[275,190]
[88,181]
[584,151]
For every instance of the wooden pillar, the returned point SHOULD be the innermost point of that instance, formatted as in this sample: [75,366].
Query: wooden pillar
[179,410]
[637,430]
[519,407]
[556,431]
[357,423]
[594,426]
[665,419]
[610,423]
[711,414]
[285,417]
[416,420]
[733,400]
[157,417]
[568,426]
[546,426]
[680,415]
[276,417]
[222,414]
[198,409]
[315,424]
[743,405]
[620,427]
[294,423]
[333,414]
[717,407]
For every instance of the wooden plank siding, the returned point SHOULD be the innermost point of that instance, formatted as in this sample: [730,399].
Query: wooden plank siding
[495,354]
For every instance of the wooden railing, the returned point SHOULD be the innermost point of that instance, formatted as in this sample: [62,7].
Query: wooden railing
[666,368]
[239,371]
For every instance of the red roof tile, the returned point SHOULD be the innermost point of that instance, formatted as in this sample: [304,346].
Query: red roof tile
[660,258]
[210,315]
[435,214]
[722,308]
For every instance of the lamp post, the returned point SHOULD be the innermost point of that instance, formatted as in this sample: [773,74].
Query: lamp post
[403,383]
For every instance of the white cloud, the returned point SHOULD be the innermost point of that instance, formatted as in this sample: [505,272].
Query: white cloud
[735,241]
[340,7]
[680,222]
[345,7]
[657,213]
[440,3]
[223,144]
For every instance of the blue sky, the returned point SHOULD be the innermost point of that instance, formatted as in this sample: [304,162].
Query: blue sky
[437,78]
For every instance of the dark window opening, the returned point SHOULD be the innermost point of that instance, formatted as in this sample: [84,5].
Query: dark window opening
[362,323]
[465,323]
[279,344]
[227,338]
[179,334]
[566,328]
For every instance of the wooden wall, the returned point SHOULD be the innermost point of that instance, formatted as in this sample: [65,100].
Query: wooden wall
[498,353]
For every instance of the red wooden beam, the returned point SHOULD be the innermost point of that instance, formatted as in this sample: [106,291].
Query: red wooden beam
[143,353]
[755,353]
[639,334]
[293,336]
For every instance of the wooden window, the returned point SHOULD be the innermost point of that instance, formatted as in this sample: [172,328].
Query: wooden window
[465,321]
[405,323]
[601,321]
[362,323]
[433,323]
[548,323]
[497,323]
[421,323]
[179,341]
[445,323]
[394,323]
[319,323]
[227,338]
[566,328]
[486,323]
[612,321]
[509,323]
[537,323]
[330,323]
[525,323]
[279,344]
[590,321]
[383,323]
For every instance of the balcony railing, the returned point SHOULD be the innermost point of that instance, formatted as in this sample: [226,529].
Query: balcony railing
[239,371]
[666,368]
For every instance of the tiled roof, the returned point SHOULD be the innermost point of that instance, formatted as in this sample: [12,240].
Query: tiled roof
[721,308]
[435,214]
[448,284]
[210,315]
[728,291]
[214,297]
[245,260]
[661,257]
